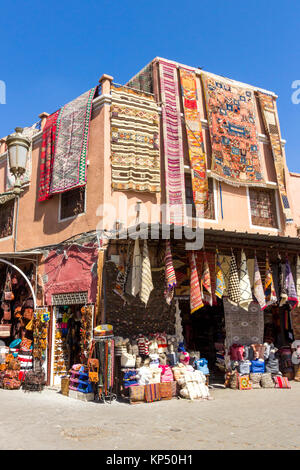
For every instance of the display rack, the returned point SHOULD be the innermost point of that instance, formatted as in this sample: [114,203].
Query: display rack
[105,383]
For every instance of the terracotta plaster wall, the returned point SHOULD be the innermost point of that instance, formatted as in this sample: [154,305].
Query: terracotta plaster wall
[39,221]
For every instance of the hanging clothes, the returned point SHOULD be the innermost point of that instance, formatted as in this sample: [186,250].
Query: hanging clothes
[290,286]
[270,292]
[220,281]
[196,301]
[206,283]
[298,277]
[146,282]
[258,287]
[282,282]
[234,282]
[170,276]
[136,269]
[245,285]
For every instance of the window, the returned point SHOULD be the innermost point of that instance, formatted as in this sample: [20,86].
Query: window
[263,207]
[72,203]
[210,210]
[7,218]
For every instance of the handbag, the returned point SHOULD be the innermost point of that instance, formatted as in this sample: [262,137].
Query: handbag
[136,393]
[93,366]
[127,360]
[28,313]
[244,383]
[244,367]
[257,367]
[5,330]
[272,366]
[8,293]
[201,365]
[152,392]
[281,382]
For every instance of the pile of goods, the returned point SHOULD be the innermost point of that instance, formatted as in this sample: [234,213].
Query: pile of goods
[158,368]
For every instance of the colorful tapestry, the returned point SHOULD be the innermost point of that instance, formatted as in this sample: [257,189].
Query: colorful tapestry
[135,157]
[269,113]
[195,140]
[232,125]
[220,281]
[210,258]
[290,286]
[282,282]
[258,289]
[245,285]
[146,281]
[170,276]
[47,156]
[206,290]
[234,282]
[295,320]
[196,301]
[173,147]
[143,80]
[242,326]
[72,137]
[270,292]
[26,177]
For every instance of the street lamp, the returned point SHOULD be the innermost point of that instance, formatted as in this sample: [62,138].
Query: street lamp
[17,146]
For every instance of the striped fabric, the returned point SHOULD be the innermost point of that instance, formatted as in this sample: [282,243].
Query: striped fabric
[169,274]
[146,282]
[281,382]
[152,392]
[135,158]
[136,269]
[195,140]
[206,282]
[196,301]
[290,286]
[270,292]
[258,289]
[220,281]
[173,147]
[47,156]
[234,282]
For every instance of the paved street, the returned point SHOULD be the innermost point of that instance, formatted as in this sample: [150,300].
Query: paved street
[256,419]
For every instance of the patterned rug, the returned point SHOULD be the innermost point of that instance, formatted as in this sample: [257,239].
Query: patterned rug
[135,155]
[232,126]
[47,156]
[72,135]
[173,147]
[269,112]
[242,326]
[143,80]
[195,140]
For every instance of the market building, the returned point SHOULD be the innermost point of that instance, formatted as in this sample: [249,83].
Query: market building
[165,208]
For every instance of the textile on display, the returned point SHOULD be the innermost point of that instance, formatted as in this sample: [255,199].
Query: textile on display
[47,156]
[170,276]
[295,319]
[234,282]
[232,125]
[206,283]
[72,138]
[195,140]
[135,157]
[270,292]
[269,113]
[242,326]
[290,286]
[173,146]
[258,289]
[206,266]
[146,281]
[136,269]
[298,277]
[26,177]
[245,285]
[196,301]
[143,80]
[220,281]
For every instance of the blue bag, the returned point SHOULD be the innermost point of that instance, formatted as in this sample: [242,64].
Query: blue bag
[201,365]
[257,367]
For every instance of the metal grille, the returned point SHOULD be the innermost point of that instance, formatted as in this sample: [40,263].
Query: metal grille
[72,203]
[70,298]
[6,218]
[210,210]
[263,207]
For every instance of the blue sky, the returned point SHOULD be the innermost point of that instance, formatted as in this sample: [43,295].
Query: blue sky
[53,51]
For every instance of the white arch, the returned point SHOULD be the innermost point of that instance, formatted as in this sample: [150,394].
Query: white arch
[25,277]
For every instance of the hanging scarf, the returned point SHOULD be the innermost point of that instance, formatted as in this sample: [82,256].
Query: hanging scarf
[206,282]
[270,292]
[146,284]
[220,281]
[258,287]
[290,286]
[298,276]
[234,282]
[136,269]
[195,294]
[282,282]
[169,274]
[245,285]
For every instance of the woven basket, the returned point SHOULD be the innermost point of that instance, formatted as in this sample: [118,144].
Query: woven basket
[64,386]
